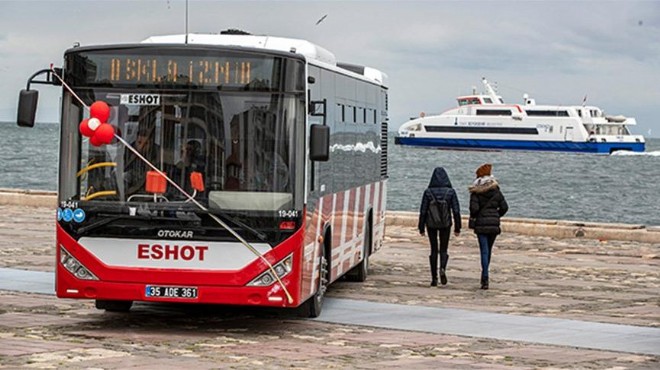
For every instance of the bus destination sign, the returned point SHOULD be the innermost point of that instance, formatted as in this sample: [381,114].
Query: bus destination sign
[179,70]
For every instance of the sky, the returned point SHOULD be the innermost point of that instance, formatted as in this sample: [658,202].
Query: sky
[558,52]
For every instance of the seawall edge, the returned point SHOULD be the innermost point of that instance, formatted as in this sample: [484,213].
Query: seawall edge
[523,226]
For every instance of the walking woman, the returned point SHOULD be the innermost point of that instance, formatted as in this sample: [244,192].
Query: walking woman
[439,190]
[487,205]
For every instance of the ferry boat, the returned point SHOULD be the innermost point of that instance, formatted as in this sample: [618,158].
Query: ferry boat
[484,122]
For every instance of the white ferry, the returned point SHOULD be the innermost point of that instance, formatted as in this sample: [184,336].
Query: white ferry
[485,122]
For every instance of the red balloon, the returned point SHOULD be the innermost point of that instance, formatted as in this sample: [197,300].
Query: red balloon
[95,141]
[100,110]
[105,133]
[84,128]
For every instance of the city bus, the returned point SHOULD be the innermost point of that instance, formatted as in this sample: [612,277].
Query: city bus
[275,156]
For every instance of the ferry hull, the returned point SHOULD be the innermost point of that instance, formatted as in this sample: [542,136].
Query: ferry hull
[491,144]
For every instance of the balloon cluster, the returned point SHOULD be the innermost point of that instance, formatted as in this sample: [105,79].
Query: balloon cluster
[96,128]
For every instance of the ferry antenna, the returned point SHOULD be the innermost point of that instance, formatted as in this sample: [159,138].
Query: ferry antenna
[186,21]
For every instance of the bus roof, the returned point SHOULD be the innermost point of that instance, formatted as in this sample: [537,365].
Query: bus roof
[310,51]
[306,48]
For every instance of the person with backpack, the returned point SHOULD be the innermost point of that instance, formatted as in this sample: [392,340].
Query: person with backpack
[439,203]
[487,206]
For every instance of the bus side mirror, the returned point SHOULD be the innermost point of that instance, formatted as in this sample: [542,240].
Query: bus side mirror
[57,81]
[27,107]
[319,143]
[316,108]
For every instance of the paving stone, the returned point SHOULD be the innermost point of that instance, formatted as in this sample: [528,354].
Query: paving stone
[28,319]
[556,355]
[16,346]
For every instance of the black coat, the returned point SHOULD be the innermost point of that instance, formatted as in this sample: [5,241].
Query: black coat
[440,188]
[487,205]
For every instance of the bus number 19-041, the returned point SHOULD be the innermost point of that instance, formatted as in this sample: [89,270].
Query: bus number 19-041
[288,213]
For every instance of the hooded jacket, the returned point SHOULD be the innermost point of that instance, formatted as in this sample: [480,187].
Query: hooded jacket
[487,205]
[440,188]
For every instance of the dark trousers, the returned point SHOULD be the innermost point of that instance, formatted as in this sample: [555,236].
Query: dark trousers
[441,235]
[486,242]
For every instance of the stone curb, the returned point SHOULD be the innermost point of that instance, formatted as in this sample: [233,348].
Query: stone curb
[524,226]
[31,198]
[552,228]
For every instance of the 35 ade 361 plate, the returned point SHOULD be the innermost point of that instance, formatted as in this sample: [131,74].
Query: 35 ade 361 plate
[184,292]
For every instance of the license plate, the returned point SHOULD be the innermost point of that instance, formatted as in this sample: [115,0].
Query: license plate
[183,292]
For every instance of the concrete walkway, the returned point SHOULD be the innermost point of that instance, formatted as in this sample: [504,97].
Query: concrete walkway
[562,332]
[542,330]
[27,281]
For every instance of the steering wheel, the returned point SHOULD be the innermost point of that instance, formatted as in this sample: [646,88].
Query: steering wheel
[102,193]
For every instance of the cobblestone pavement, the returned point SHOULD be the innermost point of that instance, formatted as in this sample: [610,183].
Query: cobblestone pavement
[591,280]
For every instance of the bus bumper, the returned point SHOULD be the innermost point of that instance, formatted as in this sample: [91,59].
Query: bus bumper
[68,286]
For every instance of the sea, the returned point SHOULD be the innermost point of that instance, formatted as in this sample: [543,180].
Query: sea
[617,188]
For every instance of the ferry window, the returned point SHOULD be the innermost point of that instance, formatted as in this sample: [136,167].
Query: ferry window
[475,101]
[354,114]
[343,113]
[462,102]
[493,112]
[374,116]
[340,113]
[487,100]
[547,113]
[364,115]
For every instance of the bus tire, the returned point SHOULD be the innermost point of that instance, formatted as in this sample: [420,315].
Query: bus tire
[114,306]
[314,305]
[361,270]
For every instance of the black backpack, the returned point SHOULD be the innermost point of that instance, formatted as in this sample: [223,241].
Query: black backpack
[438,215]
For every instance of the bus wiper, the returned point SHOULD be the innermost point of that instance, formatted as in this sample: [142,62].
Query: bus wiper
[106,220]
[97,224]
[261,236]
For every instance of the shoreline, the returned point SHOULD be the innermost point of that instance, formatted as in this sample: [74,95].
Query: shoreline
[562,229]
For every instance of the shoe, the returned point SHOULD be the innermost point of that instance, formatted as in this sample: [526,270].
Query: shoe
[484,283]
[443,277]
[434,282]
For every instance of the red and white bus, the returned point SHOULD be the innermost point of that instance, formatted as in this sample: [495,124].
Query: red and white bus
[280,150]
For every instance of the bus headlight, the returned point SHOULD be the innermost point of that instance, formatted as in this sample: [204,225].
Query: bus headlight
[74,267]
[282,268]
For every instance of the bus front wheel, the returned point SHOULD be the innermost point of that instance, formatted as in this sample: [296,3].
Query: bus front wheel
[314,305]
[114,306]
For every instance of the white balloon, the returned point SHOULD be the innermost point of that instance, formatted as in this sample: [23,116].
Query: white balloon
[93,123]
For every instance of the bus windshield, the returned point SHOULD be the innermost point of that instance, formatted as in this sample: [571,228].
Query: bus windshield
[226,121]
[243,145]
[226,128]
